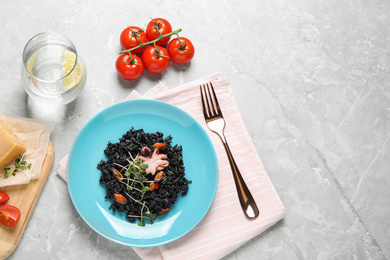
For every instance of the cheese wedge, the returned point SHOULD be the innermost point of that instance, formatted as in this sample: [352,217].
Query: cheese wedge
[10,145]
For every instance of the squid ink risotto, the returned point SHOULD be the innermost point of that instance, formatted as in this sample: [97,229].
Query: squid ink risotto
[143,175]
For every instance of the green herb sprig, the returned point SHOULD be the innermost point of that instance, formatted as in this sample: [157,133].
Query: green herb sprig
[19,165]
[148,214]
[135,173]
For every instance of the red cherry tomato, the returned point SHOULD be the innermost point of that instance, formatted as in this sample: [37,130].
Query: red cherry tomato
[155,59]
[129,68]
[9,215]
[3,197]
[181,50]
[157,27]
[131,37]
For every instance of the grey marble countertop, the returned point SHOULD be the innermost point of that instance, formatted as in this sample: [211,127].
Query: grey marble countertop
[311,79]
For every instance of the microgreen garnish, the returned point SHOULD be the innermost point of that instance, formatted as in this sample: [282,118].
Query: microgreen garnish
[135,173]
[19,165]
[148,214]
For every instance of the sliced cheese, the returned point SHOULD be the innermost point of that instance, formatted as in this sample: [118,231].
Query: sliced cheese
[10,145]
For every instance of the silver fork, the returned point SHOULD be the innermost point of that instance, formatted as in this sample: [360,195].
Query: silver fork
[215,122]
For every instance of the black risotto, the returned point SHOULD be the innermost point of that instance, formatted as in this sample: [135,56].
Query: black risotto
[133,190]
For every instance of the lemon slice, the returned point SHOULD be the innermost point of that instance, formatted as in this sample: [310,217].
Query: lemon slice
[77,75]
[31,62]
[30,67]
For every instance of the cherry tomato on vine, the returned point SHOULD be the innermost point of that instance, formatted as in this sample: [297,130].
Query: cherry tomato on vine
[155,59]
[181,50]
[131,37]
[129,67]
[3,197]
[9,215]
[157,27]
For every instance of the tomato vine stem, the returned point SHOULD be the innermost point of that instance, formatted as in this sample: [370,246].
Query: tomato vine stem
[176,32]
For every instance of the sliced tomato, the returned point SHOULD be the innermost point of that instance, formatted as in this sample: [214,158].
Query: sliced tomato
[9,215]
[3,197]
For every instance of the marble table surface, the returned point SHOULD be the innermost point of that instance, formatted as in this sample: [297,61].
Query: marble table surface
[311,79]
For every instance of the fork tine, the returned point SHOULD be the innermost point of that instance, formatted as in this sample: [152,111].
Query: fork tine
[205,102]
[201,88]
[217,109]
[210,105]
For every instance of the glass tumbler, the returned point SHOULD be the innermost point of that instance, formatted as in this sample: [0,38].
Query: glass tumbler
[52,70]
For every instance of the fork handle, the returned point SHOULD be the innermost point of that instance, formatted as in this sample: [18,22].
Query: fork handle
[247,202]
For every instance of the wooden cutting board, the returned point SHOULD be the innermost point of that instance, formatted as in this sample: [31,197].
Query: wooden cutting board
[25,197]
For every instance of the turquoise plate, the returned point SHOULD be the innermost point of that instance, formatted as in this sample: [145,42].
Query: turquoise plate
[88,195]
